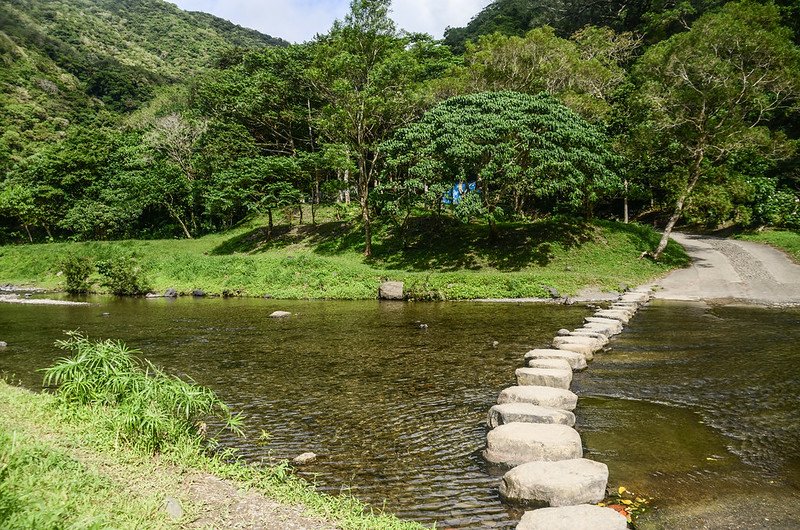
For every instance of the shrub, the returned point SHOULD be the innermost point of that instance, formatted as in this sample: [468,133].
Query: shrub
[123,276]
[150,409]
[77,270]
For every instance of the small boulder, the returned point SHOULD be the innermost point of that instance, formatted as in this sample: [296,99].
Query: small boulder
[562,332]
[564,483]
[170,293]
[199,293]
[544,377]
[576,360]
[552,292]
[280,314]
[3,344]
[580,517]
[152,295]
[544,396]
[305,458]
[516,443]
[527,413]
[173,508]
[391,291]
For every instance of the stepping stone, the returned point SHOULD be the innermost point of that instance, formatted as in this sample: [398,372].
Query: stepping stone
[580,517]
[516,443]
[589,341]
[604,329]
[587,332]
[527,413]
[585,349]
[639,298]
[564,483]
[544,377]
[576,360]
[555,364]
[622,316]
[544,396]
[605,321]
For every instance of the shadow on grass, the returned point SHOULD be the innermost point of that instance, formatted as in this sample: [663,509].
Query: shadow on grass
[645,239]
[428,243]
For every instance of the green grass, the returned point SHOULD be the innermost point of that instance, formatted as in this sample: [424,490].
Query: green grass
[61,467]
[785,240]
[436,258]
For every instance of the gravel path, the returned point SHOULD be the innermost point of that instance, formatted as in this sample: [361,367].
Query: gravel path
[727,270]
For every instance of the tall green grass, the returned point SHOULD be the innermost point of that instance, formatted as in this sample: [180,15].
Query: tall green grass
[148,408]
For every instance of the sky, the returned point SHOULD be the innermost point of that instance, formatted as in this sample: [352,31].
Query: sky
[300,20]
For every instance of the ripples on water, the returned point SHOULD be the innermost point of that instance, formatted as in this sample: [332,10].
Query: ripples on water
[690,404]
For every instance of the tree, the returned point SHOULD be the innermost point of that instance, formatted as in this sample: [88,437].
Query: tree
[710,92]
[515,145]
[368,76]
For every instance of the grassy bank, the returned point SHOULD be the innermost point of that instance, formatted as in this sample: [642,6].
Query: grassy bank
[61,469]
[785,240]
[436,258]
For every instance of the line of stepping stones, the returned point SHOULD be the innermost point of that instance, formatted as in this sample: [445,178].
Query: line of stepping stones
[532,430]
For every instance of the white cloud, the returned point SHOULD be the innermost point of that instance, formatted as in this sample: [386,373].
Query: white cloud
[300,20]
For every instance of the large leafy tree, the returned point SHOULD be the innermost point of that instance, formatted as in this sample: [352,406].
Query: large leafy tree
[515,145]
[369,77]
[711,92]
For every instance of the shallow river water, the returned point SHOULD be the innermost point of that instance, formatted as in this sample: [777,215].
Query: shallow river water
[696,407]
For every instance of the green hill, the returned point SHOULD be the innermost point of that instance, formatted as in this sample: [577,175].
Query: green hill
[65,61]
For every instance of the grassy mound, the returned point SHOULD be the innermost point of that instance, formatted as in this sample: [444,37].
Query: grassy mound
[437,258]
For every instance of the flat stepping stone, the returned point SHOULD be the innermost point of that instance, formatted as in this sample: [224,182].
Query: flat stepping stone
[586,350]
[616,314]
[544,377]
[516,443]
[580,517]
[544,396]
[602,320]
[589,341]
[564,483]
[555,364]
[588,332]
[576,360]
[607,330]
[527,413]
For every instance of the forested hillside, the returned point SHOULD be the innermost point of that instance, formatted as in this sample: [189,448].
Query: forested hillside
[138,120]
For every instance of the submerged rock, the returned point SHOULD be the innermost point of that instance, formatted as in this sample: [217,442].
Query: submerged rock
[516,443]
[527,413]
[544,377]
[563,483]
[580,517]
[305,458]
[544,396]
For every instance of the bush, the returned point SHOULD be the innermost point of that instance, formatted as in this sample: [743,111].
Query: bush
[77,270]
[123,276]
[150,408]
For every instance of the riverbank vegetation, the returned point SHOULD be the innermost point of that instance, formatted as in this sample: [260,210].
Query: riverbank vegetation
[95,454]
[660,114]
[437,258]
[785,240]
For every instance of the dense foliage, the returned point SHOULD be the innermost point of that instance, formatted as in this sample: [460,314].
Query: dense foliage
[138,120]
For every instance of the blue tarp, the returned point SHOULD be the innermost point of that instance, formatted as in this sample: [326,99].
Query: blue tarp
[458,190]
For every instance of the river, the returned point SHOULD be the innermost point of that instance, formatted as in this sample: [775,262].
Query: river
[693,406]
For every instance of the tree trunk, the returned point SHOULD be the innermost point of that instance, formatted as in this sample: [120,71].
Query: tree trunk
[627,220]
[347,186]
[269,225]
[177,217]
[367,227]
[28,230]
[676,214]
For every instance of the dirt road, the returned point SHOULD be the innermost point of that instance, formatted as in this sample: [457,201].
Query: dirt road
[732,271]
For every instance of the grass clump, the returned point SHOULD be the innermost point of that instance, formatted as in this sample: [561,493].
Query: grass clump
[148,408]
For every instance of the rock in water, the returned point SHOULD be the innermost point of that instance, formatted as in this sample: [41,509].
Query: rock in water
[576,360]
[544,377]
[391,291]
[527,413]
[563,483]
[305,458]
[544,396]
[280,314]
[581,517]
[199,293]
[170,293]
[516,443]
